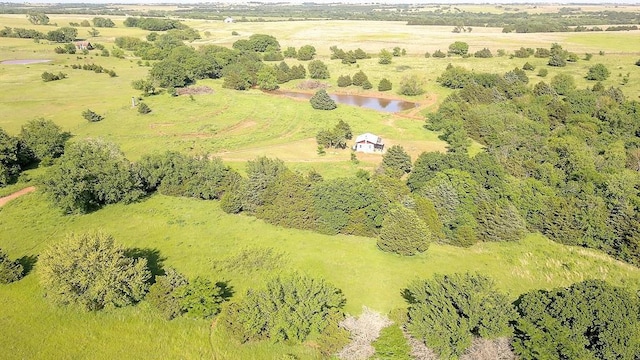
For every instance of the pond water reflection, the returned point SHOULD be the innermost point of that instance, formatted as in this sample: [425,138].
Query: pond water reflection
[374,103]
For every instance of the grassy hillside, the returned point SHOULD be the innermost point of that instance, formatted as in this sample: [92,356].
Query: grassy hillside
[193,236]
[197,238]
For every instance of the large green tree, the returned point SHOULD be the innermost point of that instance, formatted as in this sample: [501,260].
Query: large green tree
[9,158]
[90,174]
[288,202]
[322,101]
[318,70]
[91,271]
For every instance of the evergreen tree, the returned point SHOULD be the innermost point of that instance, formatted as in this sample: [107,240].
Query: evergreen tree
[396,162]
[321,101]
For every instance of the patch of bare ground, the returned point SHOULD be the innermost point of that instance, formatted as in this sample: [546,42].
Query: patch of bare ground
[312,85]
[158,125]
[6,199]
[194,90]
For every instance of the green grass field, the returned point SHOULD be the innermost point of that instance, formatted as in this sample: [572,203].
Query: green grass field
[193,235]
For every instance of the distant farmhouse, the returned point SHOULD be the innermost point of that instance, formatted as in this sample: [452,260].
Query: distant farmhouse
[228,20]
[83,45]
[369,143]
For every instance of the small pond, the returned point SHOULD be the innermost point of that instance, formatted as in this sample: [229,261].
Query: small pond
[374,103]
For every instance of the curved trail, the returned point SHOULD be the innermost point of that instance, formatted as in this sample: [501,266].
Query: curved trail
[6,199]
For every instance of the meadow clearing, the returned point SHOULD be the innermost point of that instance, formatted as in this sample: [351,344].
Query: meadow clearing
[193,236]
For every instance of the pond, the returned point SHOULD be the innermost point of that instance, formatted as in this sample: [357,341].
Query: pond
[374,103]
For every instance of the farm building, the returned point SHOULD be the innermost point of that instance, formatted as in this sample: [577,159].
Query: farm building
[369,143]
[83,45]
[229,20]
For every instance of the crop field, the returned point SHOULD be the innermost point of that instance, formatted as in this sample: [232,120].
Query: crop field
[194,235]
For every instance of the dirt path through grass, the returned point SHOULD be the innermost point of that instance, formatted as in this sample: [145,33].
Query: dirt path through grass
[6,199]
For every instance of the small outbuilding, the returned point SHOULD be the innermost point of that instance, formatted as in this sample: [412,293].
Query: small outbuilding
[369,143]
[228,20]
[83,45]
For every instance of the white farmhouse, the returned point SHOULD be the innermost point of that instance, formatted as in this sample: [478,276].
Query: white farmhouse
[228,20]
[369,143]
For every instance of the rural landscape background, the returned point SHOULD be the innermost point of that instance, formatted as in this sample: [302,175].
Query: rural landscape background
[555,166]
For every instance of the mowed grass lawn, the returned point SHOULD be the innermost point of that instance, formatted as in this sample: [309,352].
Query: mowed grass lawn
[193,235]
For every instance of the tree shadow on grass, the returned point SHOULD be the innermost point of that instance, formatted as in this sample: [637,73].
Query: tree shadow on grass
[154,260]
[28,262]
[227,290]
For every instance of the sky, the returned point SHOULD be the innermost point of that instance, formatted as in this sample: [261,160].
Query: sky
[626,2]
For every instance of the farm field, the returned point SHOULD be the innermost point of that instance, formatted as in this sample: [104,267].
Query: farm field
[195,236]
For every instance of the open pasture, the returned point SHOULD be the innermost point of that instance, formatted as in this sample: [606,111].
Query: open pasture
[193,235]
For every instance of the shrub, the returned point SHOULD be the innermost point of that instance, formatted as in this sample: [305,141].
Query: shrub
[318,70]
[527,66]
[10,271]
[143,108]
[563,83]
[427,55]
[344,80]
[200,298]
[384,57]
[91,271]
[321,101]
[290,308]
[543,72]
[638,62]
[47,76]
[162,294]
[392,344]
[384,85]
[404,233]
[448,311]
[359,78]
[91,116]
[459,48]
[366,85]
[484,53]
[411,86]
[439,54]
[598,72]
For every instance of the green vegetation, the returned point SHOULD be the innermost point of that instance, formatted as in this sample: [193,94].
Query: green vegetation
[506,155]
[10,271]
[321,101]
[450,309]
[92,272]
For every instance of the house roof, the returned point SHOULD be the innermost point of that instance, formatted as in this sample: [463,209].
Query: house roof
[368,137]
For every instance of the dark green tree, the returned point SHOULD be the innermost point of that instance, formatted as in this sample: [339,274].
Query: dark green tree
[288,202]
[200,298]
[92,116]
[91,271]
[563,83]
[404,233]
[588,320]
[290,308]
[384,85]
[322,101]
[396,162]
[10,162]
[37,18]
[268,78]
[143,108]
[306,53]
[360,78]
[318,70]
[163,293]
[344,81]
[10,271]
[448,311]
[261,173]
